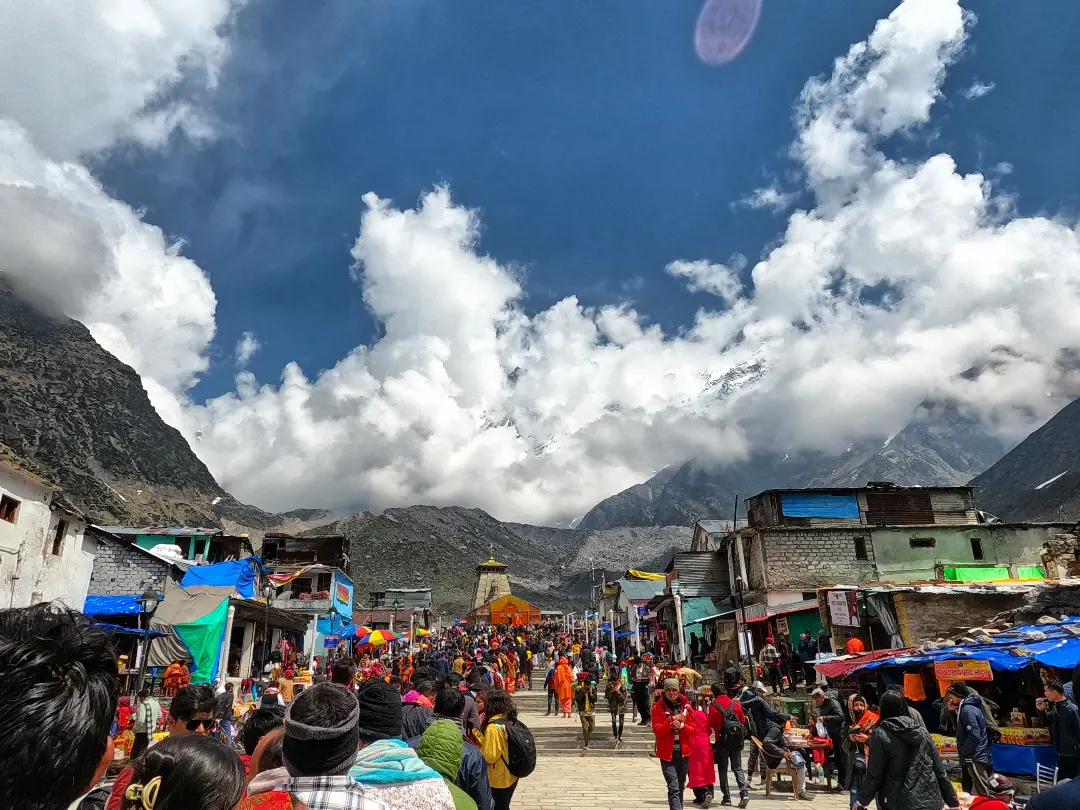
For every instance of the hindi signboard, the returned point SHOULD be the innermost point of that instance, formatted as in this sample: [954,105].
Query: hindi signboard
[963,669]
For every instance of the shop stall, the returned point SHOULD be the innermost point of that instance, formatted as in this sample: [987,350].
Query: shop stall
[1007,668]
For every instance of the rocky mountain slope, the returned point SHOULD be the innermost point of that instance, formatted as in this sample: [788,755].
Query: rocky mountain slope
[426,546]
[1039,479]
[939,446]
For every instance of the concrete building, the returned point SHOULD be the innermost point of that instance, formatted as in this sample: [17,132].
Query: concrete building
[45,553]
[396,608]
[492,582]
[798,541]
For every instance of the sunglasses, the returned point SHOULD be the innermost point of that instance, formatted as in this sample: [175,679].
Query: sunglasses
[206,722]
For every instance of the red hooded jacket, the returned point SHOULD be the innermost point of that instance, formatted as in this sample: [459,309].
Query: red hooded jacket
[661,725]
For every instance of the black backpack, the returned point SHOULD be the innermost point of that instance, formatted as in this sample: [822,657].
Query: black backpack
[733,732]
[520,748]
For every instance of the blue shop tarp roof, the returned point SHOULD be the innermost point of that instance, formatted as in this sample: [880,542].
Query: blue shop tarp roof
[115,628]
[1010,650]
[238,574]
[125,605]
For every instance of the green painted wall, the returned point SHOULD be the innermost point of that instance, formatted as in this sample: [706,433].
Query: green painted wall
[201,545]
[1002,545]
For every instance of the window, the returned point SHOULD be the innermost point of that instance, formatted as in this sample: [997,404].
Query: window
[976,548]
[860,548]
[922,542]
[58,537]
[807,595]
[9,508]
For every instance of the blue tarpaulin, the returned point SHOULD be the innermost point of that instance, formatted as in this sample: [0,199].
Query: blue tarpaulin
[819,505]
[239,574]
[115,628]
[1009,651]
[126,605]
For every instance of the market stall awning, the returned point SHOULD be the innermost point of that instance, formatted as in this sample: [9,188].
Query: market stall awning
[124,605]
[840,665]
[1052,645]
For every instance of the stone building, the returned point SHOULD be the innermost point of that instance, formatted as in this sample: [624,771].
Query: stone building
[492,582]
[123,568]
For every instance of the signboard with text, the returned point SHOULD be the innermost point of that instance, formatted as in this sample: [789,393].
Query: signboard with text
[963,669]
[844,608]
[331,642]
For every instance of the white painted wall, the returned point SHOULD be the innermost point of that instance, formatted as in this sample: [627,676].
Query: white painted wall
[27,564]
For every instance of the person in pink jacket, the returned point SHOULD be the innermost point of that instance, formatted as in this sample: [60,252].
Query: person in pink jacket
[702,773]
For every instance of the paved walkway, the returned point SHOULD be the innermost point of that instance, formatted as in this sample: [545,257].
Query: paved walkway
[605,781]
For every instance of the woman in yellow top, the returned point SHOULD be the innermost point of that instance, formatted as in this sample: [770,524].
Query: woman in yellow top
[492,738]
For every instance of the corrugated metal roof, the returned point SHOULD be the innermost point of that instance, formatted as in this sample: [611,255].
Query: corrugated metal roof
[159,530]
[702,574]
[715,526]
[890,508]
[857,490]
[641,590]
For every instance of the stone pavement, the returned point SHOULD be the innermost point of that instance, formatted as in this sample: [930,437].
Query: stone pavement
[606,780]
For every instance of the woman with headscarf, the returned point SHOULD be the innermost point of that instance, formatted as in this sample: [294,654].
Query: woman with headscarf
[856,739]
[563,682]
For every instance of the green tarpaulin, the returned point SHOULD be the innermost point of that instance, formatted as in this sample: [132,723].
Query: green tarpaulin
[1029,572]
[202,637]
[976,574]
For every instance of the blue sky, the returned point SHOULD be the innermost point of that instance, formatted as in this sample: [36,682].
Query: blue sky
[594,144]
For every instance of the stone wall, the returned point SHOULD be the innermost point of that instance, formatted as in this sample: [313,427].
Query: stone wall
[120,568]
[924,617]
[807,559]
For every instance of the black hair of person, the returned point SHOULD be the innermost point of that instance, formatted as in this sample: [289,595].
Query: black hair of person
[262,720]
[892,705]
[342,673]
[449,703]
[497,701]
[1054,685]
[197,773]
[59,693]
[271,756]
[192,700]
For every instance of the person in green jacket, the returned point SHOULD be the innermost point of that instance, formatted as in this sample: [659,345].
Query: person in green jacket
[440,749]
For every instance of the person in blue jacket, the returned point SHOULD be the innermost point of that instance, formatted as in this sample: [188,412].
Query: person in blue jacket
[972,739]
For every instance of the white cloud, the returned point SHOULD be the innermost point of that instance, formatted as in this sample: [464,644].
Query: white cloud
[81,76]
[722,280]
[246,348]
[978,90]
[899,280]
[770,197]
[76,79]
[888,290]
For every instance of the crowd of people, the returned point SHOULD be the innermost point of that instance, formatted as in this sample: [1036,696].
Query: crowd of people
[439,729]
[438,733]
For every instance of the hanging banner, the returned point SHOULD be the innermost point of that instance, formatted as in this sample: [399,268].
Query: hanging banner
[963,669]
[280,580]
[844,608]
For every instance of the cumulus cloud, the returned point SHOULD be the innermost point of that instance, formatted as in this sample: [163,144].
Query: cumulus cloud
[246,348]
[900,282]
[76,79]
[978,90]
[903,282]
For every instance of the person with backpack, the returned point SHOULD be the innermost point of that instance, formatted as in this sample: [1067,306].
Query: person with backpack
[727,721]
[903,768]
[972,738]
[508,747]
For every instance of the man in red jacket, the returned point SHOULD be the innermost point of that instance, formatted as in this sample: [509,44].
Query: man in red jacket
[673,725]
[727,721]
